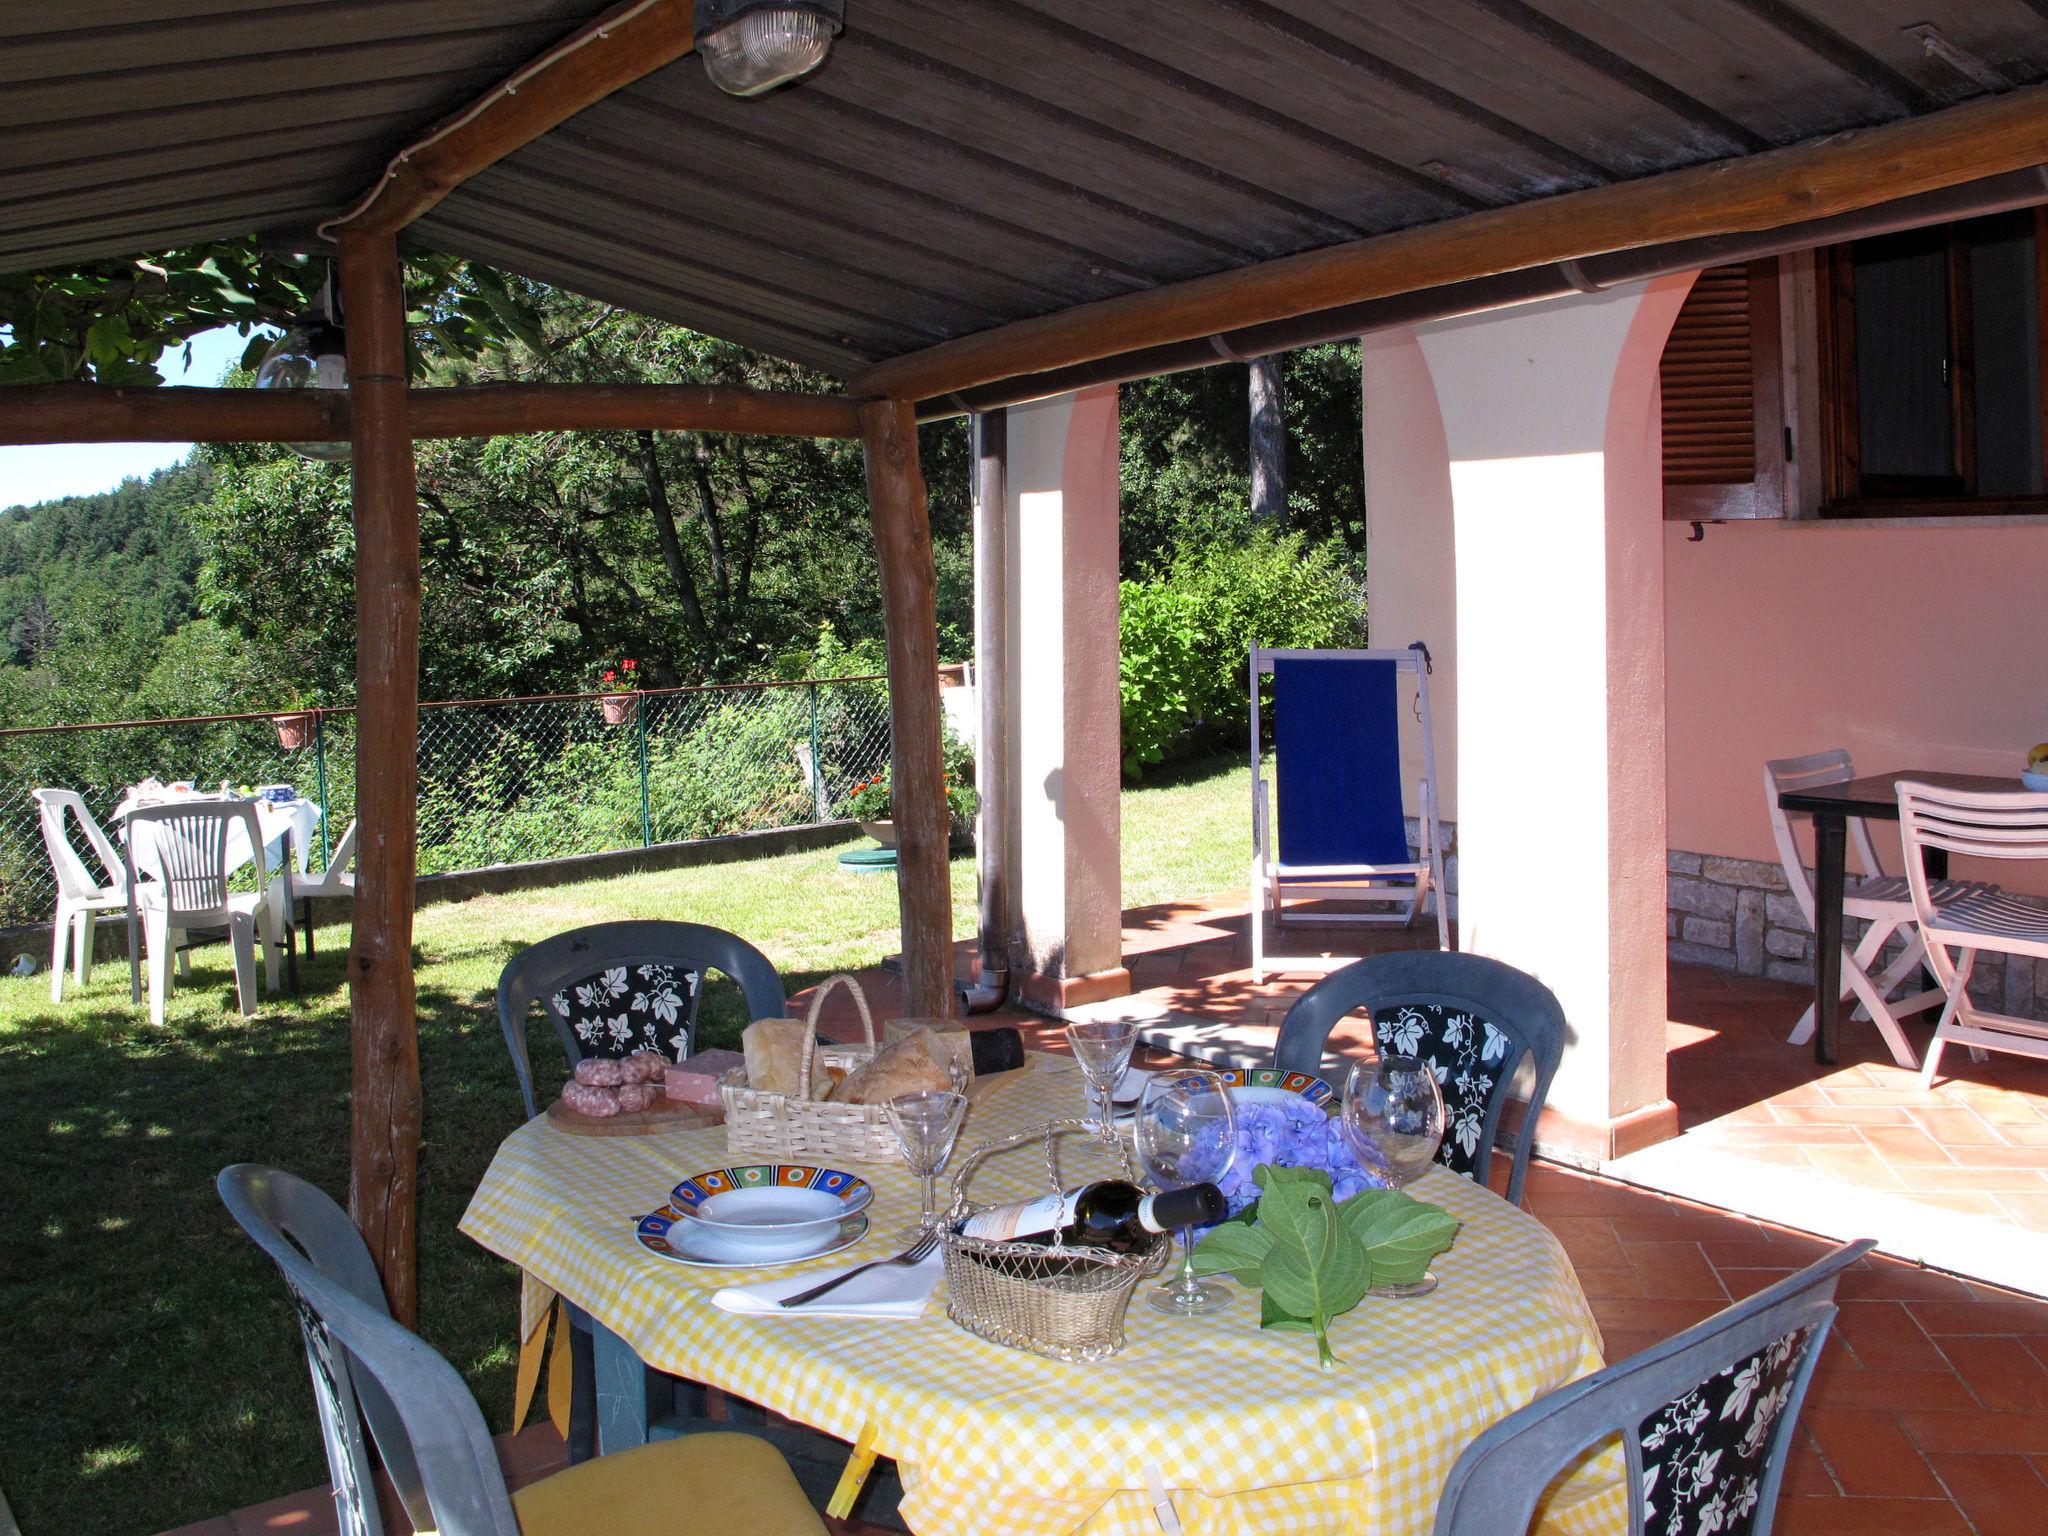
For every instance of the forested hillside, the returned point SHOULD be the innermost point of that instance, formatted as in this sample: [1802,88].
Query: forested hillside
[226,583]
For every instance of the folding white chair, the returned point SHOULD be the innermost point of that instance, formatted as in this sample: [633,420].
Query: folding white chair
[79,896]
[1879,899]
[338,879]
[1340,831]
[186,848]
[1982,824]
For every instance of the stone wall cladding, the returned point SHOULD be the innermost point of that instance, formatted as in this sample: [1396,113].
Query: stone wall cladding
[1738,915]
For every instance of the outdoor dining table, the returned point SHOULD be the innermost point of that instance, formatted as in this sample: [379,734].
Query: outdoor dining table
[1238,1426]
[1874,797]
[287,828]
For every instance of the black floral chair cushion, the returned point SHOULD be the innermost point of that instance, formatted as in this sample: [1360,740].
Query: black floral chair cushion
[626,1008]
[1468,1057]
[1705,1455]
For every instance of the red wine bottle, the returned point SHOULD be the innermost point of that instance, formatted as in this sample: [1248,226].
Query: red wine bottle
[1112,1214]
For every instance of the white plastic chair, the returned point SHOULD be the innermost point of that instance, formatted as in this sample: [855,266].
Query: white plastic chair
[299,891]
[186,848]
[1879,899]
[1982,824]
[79,896]
[1340,832]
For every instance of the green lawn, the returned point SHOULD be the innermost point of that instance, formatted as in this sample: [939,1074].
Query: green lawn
[150,1374]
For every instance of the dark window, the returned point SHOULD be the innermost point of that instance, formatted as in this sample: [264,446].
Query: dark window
[1931,369]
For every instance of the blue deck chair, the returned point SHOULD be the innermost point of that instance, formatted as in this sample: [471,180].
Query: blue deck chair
[1341,828]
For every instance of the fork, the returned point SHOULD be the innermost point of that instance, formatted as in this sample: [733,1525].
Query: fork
[916,1253]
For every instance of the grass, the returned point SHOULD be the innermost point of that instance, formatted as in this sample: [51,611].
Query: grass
[150,1374]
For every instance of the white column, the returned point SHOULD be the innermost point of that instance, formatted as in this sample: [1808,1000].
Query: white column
[1060,504]
[1552,445]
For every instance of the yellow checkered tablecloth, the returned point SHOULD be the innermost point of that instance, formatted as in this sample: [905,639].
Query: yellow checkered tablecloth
[1239,1425]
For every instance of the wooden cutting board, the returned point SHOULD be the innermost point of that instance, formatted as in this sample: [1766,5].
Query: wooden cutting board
[668,1115]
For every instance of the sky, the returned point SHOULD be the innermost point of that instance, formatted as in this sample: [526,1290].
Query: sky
[29,475]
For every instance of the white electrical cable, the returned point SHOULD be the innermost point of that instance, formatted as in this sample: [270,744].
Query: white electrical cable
[601,28]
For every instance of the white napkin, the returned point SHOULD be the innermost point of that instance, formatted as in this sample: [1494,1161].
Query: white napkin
[890,1290]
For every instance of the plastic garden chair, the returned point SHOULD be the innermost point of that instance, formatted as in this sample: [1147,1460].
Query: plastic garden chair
[79,895]
[614,988]
[1339,830]
[338,879]
[1982,825]
[186,849]
[1705,1421]
[1881,900]
[1474,1019]
[429,1434]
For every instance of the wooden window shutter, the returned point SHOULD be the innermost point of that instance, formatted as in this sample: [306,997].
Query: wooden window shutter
[1724,423]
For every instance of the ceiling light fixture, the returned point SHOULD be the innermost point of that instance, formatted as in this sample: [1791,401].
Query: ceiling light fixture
[751,46]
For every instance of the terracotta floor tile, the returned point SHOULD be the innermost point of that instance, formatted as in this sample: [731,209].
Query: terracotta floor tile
[1905,1145]
[1806,1474]
[2026,1318]
[1974,1432]
[2026,1210]
[1681,1271]
[1762,1251]
[2001,1495]
[1812,1134]
[1842,1114]
[1747,1282]
[1858,1167]
[1661,1317]
[1869,1454]
[1970,1155]
[1846,1384]
[1962,1205]
[1610,1284]
[2000,1370]
[1868,1517]
[1885,1337]
[1879,1279]
[1959,1181]
[1953,1127]
[1587,1240]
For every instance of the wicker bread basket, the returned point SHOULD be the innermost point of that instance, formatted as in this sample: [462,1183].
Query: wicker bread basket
[1060,1302]
[796,1128]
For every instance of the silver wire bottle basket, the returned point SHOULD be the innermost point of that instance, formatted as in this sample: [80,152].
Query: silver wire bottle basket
[1061,1302]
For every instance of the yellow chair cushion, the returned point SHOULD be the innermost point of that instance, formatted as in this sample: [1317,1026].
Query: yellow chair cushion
[719,1484]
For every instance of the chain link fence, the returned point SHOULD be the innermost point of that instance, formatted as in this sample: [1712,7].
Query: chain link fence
[501,781]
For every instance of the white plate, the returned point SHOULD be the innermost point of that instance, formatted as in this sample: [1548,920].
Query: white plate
[680,1240]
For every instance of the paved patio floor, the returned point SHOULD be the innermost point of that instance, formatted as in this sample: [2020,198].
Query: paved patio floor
[1929,1412]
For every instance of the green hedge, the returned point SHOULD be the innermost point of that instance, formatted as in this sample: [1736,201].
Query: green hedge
[1186,637]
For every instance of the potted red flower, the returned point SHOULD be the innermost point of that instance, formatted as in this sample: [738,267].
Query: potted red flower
[621,685]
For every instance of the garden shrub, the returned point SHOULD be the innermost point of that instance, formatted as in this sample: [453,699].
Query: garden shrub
[1186,637]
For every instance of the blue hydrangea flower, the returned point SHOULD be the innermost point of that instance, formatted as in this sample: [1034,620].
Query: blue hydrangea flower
[1294,1134]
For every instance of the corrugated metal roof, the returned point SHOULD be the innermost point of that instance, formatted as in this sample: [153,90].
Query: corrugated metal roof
[954,166]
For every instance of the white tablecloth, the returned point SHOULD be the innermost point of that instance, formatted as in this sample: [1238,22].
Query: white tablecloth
[294,820]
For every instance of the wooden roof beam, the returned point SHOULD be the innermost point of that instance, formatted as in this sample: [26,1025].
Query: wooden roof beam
[629,41]
[99,413]
[1838,174]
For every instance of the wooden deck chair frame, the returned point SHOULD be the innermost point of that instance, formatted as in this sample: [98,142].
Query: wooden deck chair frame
[1406,885]
[1994,824]
[1879,899]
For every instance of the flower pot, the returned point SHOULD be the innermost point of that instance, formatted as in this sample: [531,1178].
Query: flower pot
[883,832]
[619,708]
[291,730]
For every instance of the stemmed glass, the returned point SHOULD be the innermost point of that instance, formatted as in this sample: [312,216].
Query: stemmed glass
[1103,1048]
[1186,1133]
[926,1125]
[1393,1116]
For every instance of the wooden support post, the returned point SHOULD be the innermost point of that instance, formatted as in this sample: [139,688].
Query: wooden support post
[903,545]
[384,1134]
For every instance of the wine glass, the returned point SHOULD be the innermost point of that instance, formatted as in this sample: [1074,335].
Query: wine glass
[926,1125]
[1103,1048]
[1186,1133]
[1393,1116]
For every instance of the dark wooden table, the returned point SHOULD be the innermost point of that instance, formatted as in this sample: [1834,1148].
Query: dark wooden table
[1876,799]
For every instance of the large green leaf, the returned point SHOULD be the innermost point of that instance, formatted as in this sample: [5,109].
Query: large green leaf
[1236,1250]
[1398,1233]
[1316,1268]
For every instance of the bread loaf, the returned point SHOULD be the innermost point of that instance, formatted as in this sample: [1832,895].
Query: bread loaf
[917,1063]
[775,1051]
[956,1045]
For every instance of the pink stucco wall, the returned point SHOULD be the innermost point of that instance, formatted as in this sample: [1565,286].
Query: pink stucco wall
[1914,647]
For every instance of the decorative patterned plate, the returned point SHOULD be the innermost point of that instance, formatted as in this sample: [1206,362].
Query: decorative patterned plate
[853,1190]
[672,1235]
[1313,1089]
